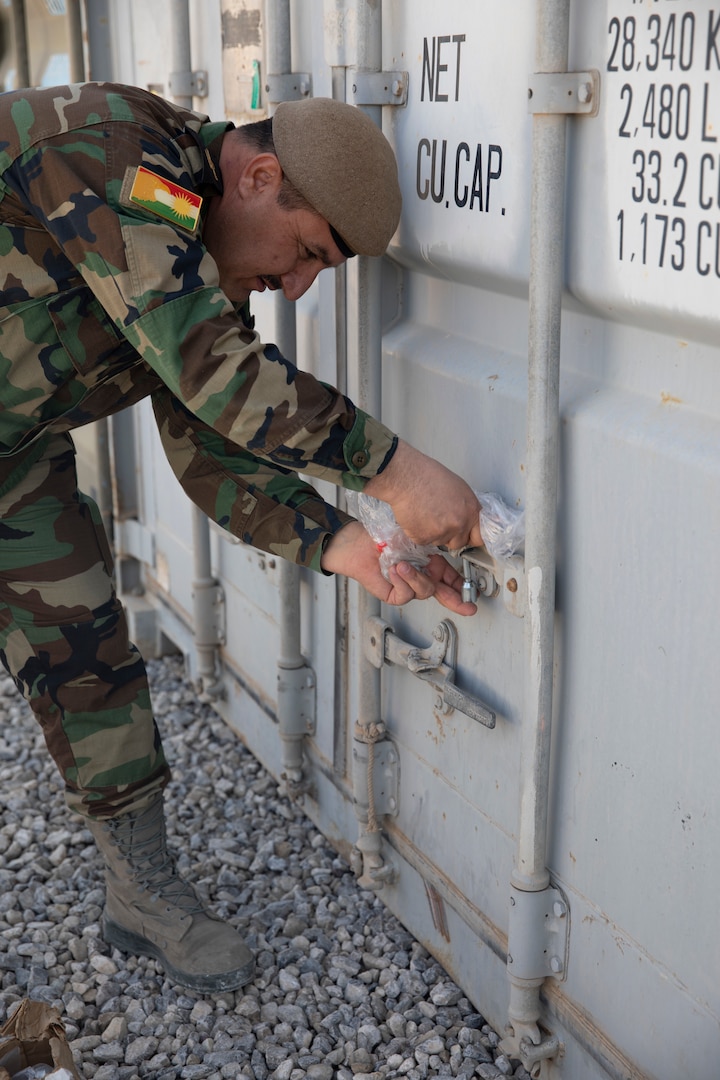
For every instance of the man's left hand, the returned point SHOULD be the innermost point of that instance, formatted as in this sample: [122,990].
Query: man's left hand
[352,552]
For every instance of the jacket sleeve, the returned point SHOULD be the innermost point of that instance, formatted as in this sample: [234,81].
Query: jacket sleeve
[262,504]
[160,286]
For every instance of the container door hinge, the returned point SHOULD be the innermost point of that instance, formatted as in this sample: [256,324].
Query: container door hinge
[538,944]
[375,777]
[296,708]
[537,1058]
[538,934]
[209,613]
[188,83]
[377,87]
[376,793]
[574,93]
[435,665]
[133,540]
[297,686]
[288,87]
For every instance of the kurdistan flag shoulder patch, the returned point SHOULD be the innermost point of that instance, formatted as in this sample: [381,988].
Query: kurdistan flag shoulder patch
[170,201]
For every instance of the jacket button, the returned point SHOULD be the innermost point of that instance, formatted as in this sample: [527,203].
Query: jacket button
[360,459]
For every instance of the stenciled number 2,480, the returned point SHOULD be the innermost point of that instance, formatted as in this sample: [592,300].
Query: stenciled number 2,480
[666,112]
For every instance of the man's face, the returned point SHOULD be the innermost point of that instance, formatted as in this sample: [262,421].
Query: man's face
[257,244]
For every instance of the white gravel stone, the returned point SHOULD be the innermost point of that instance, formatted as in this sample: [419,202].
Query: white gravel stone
[284,1070]
[103,964]
[445,994]
[287,981]
[201,1011]
[58,855]
[117,1029]
[319,1071]
[141,1049]
[433,1045]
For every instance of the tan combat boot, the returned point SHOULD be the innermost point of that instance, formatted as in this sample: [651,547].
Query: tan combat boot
[150,910]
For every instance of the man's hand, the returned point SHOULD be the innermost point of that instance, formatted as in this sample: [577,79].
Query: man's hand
[352,552]
[431,504]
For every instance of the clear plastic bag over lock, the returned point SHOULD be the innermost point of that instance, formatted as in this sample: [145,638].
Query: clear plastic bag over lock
[502,528]
[393,544]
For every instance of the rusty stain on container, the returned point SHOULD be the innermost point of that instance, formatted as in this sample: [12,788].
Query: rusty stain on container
[437,910]
[241,28]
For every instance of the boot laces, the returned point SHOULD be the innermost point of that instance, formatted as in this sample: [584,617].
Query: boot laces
[141,839]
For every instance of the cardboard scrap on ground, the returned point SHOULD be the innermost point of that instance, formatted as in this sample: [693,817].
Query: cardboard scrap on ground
[34,1035]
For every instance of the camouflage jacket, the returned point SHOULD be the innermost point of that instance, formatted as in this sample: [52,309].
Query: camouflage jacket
[104,302]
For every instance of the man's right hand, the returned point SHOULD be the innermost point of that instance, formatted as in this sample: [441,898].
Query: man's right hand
[432,504]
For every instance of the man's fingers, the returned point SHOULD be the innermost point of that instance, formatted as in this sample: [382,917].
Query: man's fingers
[445,585]
[420,584]
[448,591]
[453,601]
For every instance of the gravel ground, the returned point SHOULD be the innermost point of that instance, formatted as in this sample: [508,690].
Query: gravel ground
[342,988]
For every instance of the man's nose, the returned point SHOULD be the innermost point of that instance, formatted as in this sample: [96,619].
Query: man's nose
[297,282]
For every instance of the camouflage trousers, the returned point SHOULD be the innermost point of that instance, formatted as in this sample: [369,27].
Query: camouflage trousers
[64,640]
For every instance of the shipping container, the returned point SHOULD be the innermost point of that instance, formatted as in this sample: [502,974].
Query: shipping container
[533,790]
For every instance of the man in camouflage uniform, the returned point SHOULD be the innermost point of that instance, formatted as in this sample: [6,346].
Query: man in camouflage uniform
[132,233]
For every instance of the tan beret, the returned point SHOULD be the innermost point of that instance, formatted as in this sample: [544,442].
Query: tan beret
[341,162]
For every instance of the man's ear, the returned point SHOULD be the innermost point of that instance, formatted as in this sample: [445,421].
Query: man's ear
[261,175]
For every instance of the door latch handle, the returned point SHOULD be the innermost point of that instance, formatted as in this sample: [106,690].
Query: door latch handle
[436,665]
